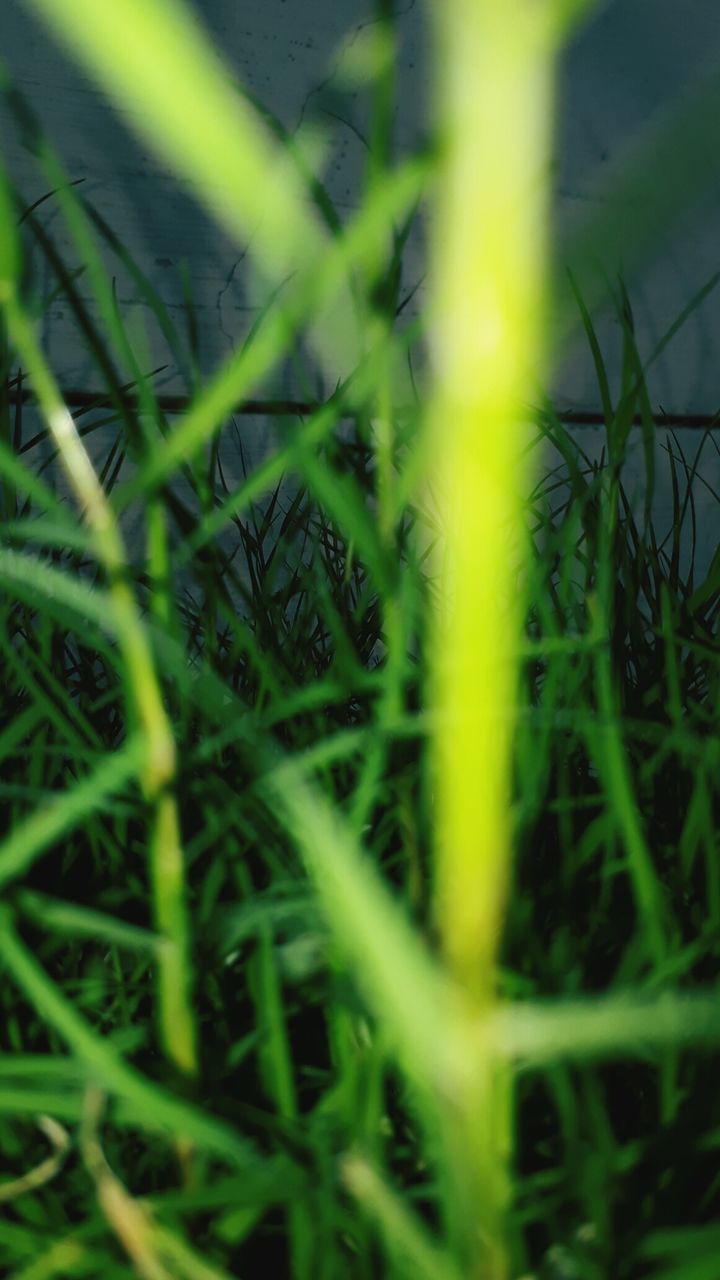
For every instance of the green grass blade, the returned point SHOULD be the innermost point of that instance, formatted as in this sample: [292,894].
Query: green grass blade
[613,1026]
[414,1251]
[150,1105]
[27,842]
[398,977]
[69,918]
[73,601]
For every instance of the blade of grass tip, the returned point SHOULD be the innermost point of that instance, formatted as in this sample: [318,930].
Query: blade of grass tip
[683,316]
[640,389]
[596,352]
[647,424]
[630,385]
[709,587]
[47,1169]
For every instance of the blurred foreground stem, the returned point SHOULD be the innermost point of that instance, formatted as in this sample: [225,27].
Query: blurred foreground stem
[494,79]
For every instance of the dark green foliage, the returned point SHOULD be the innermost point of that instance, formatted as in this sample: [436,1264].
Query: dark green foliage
[272,635]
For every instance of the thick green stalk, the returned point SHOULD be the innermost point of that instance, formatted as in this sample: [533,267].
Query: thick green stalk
[495,94]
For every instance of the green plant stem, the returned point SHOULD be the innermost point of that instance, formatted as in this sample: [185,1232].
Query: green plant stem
[495,66]
[157,773]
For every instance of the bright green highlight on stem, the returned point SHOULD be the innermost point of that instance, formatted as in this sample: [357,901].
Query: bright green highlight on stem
[490,240]
[489,266]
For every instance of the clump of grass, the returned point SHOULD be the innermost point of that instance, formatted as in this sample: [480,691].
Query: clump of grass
[609,823]
[366,1056]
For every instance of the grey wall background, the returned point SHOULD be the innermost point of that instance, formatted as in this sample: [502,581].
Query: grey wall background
[629,62]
